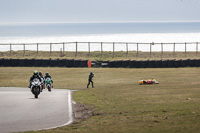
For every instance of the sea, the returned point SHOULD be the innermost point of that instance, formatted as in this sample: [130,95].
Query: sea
[143,33]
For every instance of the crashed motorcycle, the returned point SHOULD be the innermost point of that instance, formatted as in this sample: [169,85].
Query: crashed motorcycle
[48,83]
[150,81]
[36,87]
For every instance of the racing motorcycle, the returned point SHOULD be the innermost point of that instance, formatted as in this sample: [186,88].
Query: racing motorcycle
[42,84]
[150,81]
[36,87]
[48,83]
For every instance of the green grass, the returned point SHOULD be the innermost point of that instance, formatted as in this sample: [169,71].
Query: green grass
[121,105]
[118,55]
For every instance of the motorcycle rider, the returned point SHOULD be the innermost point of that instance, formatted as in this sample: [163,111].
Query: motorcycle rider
[42,78]
[35,75]
[40,73]
[47,75]
[90,80]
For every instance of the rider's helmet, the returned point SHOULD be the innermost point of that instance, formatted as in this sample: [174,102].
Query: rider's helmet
[35,73]
[40,73]
[47,74]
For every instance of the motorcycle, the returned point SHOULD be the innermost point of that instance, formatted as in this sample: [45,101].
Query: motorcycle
[42,84]
[150,81]
[48,83]
[36,87]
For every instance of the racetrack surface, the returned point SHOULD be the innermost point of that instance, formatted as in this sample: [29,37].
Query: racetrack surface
[20,111]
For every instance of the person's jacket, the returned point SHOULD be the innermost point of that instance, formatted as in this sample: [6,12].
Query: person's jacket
[91,77]
[48,77]
[32,77]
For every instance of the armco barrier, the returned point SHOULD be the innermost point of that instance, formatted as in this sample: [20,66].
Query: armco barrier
[165,63]
[177,63]
[171,63]
[158,63]
[151,64]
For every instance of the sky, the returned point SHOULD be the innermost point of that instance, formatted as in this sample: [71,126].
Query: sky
[62,11]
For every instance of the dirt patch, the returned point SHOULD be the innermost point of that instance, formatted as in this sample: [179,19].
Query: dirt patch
[81,112]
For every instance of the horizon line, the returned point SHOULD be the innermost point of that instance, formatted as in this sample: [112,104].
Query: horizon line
[82,22]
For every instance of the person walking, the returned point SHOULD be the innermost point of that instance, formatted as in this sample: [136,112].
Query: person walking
[90,80]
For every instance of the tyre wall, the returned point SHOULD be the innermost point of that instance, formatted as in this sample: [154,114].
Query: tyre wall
[9,62]
[165,63]
[151,64]
[118,63]
[144,64]
[125,63]
[1,61]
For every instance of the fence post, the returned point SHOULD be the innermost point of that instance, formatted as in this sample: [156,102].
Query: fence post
[24,49]
[113,50]
[174,51]
[50,48]
[150,48]
[101,49]
[126,50]
[63,49]
[161,50]
[137,49]
[196,49]
[89,48]
[185,49]
[76,48]
[61,55]
[10,49]
[37,49]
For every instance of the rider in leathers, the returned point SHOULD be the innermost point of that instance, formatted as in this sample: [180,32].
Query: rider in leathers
[47,75]
[35,75]
[42,78]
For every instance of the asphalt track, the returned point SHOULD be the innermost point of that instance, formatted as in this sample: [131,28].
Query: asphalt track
[20,111]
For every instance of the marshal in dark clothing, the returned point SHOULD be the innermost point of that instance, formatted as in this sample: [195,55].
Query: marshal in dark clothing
[90,80]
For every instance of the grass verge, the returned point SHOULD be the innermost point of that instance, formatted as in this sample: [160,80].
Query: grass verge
[120,104]
[96,55]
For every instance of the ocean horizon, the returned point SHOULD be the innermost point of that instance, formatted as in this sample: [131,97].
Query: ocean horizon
[68,29]
[143,32]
